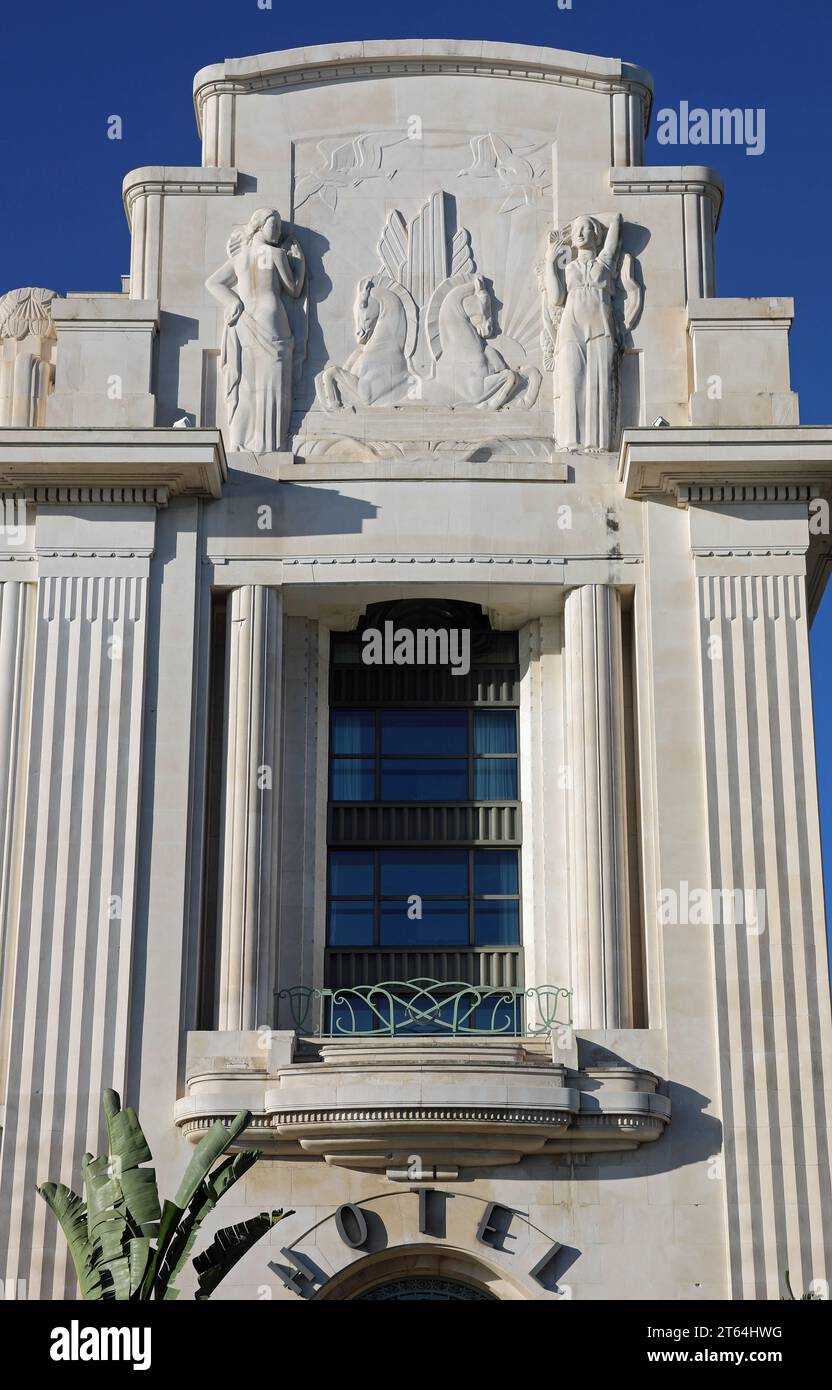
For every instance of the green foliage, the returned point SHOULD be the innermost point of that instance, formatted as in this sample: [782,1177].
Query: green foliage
[111,1230]
[790,1296]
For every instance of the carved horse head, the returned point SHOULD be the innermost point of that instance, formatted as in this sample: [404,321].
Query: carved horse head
[367,309]
[479,308]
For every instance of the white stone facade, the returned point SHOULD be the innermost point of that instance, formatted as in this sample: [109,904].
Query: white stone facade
[422,326]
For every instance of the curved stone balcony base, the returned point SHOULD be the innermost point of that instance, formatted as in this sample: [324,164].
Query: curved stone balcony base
[433,1104]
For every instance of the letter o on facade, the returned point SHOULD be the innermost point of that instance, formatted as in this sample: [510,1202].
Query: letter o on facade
[352,1226]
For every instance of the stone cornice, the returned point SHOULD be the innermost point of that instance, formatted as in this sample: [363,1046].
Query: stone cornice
[147,465]
[709,465]
[675,179]
[728,315]
[402,57]
[175,179]
[371,1102]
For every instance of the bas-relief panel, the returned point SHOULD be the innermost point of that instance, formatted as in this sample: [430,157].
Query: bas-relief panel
[425,320]
[436,309]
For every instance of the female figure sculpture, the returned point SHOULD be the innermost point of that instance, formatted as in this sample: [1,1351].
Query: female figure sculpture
[580,292]
[257,343]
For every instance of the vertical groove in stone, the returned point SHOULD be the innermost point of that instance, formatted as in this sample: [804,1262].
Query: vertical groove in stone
[764,838]
[250,818]
[70,1007]
[599,891]
[138,246]
[14,620]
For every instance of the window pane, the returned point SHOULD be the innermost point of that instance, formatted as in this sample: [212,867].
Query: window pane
[497,923]
[424,780]
[349,1014]
[500,1012]
[353,731]
[495,871]
[495,779]
[353,779]
[442,924]
[350,923]
[429,872]
[424,731]
[495,731]
[350,872]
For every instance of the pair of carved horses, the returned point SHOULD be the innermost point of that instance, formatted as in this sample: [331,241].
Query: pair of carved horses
[465,369]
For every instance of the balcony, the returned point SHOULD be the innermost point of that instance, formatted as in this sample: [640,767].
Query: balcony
[417,1078]
[419,1006]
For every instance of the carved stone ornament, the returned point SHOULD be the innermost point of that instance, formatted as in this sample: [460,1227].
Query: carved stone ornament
[592,298]
[257,342]
[523,172]
[27,351]
[422,323]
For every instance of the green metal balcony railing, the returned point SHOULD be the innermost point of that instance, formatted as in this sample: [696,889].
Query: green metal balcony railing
[409,1008]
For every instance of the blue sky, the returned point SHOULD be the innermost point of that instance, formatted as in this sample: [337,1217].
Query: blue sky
[67,67]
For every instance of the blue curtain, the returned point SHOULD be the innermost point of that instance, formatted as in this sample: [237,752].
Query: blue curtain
[353,731]
[495,871]
[495,731]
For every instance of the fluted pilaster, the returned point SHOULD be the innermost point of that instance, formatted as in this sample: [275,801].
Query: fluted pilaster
[770,961]
[599,893]
[76,896]
[250,819]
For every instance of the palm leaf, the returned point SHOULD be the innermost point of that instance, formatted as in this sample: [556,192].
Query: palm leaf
[171,1215]
[228,1247]
[127,1142]
[205,1199]
[71,1213]
[141,1199]
[106,1224]
[128,1149]
[109,1233]
[139,1259]
[115,1279]
[206,1153]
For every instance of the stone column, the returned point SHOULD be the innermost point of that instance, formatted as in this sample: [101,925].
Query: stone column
[250,822]
[599,894]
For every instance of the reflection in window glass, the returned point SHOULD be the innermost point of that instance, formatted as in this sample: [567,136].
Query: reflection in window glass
[353,731]
[497,922]
[353,779]
[351,923]
[427,872]
[437,732]
[495,871]
[351,873]
[495,779]
[424,779]
[495,731]
[440,924]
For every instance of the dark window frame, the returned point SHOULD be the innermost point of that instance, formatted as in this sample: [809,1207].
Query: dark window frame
[471,897]
[470,757]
